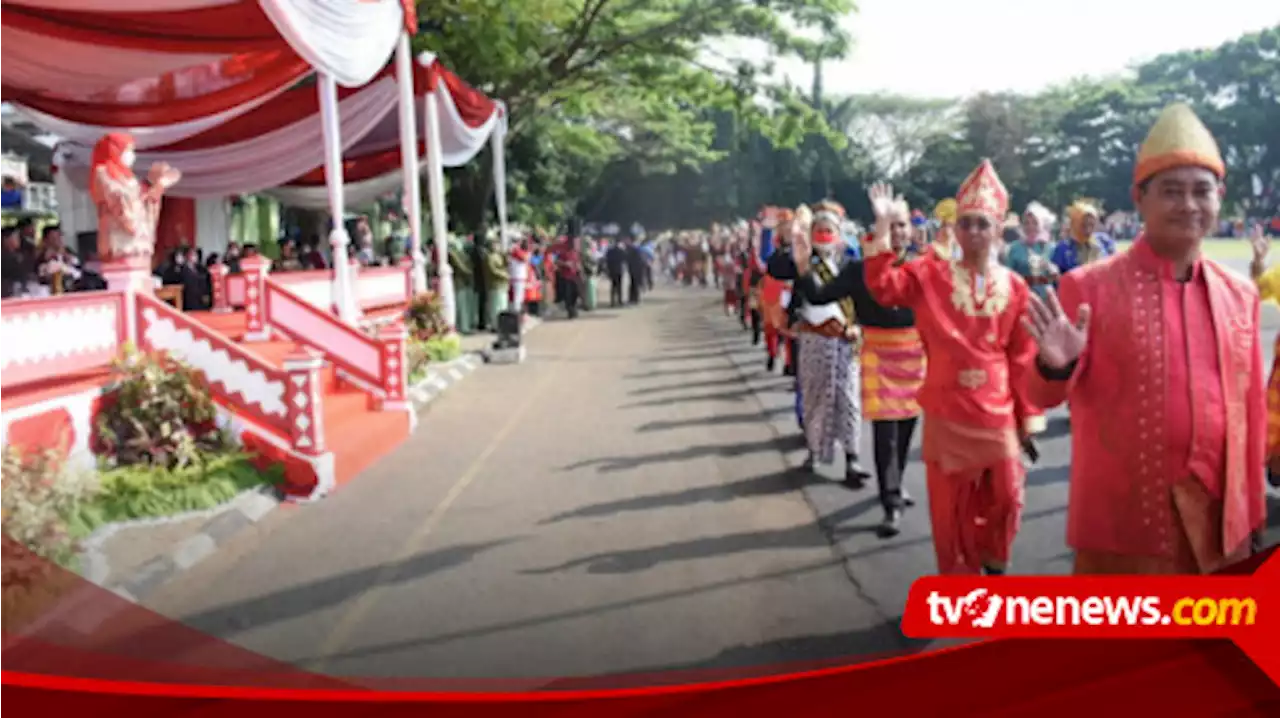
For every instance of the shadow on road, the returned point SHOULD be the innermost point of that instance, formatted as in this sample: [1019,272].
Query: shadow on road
[613,464]
[1046,475]
[746,417]
[776,483]
[688,386]
[787,655]
[698,356]
[577,613]
[331,591]
[632,560]
[735,395]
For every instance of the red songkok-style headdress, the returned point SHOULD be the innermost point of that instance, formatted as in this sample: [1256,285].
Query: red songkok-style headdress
[107,154]
[983,193]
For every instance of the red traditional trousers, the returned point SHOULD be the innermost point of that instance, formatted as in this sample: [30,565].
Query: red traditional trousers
[773,337]
[976,487]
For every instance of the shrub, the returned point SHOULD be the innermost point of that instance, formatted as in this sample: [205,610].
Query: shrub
[157,412]
[39,491]
[425,317]
[434,350]
[134,492]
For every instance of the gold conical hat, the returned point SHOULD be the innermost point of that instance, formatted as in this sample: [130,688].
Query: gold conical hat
[1178,139]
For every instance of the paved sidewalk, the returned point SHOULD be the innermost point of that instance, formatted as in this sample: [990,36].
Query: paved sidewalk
[615,503]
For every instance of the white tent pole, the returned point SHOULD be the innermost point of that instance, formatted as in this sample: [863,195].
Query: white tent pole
[435,189]
[412,201]
[498,142]
[343,294]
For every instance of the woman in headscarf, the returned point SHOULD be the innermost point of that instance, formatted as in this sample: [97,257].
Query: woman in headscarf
[1031,256]
[1083,246]
[830,374]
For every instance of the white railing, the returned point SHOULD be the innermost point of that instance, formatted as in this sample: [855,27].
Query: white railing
[46,338]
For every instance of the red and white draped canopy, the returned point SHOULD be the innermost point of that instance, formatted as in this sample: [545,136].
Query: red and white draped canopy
[218,88]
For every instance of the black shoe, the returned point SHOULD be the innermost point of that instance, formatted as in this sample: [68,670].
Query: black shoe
[854,482]
[769,364]
[788,370]
[989,571]
[808,462]
[892,524]
[907,500]
[854,470]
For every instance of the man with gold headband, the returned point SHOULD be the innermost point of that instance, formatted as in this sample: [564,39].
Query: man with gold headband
[1085,245]
[893,365]
[1165,383]
[968,313]
[829,373]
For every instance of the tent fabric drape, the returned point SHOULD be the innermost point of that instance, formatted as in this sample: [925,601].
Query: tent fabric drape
[280,142]
[258,161]
[80,47]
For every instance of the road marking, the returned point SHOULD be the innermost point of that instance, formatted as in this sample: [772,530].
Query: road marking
[368,600]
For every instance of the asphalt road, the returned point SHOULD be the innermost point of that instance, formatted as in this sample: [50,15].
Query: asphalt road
[625,501]
[617,503]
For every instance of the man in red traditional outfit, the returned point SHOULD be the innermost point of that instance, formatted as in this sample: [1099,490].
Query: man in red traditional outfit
[1171,359]
[969,316]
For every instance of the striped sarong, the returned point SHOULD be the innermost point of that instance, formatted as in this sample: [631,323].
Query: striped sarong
[893,367]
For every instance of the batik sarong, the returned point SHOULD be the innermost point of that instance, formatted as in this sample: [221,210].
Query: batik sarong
[830,391]
[893,367]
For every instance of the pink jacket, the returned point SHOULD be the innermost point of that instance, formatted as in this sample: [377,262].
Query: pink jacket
[1123,408]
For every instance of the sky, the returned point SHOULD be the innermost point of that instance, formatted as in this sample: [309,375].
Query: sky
[948,48]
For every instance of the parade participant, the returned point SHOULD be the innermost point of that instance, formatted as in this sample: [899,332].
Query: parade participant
[518,269]
[775,291]
[568,267]
[830,370]
[893,365]
[1268,282]
[1031,256]
[944,245]
[496,280]
[1157,350]
[776,223]
[1083,246]
[977,418]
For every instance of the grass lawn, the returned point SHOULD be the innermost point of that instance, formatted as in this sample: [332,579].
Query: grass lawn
[1222,249]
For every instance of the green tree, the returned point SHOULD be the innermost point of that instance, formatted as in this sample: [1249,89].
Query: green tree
[595,80]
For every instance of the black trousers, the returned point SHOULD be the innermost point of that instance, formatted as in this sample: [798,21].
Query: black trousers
[615,290]
[757,326]
[569,295]
[892,444]
[633,293]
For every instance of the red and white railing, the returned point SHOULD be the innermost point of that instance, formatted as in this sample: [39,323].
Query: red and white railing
[47,338]
[376,364]
[375,287]
[285,401]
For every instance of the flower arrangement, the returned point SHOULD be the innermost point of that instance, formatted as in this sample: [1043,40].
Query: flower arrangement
[157,412]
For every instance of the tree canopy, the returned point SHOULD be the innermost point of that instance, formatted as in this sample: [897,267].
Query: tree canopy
[669,113]
[593,82]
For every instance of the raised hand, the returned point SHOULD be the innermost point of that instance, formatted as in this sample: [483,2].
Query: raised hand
[801,250]
[1261,245]
[881,196]
[1061,341]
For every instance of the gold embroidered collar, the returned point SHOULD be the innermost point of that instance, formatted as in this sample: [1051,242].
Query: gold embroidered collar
[964,291]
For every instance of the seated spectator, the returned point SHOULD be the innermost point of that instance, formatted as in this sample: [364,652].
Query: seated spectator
[17,273]
[56,267]
[289,260]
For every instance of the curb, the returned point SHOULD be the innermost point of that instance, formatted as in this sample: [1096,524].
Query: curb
[229,519]
[225,521]
[443,376]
